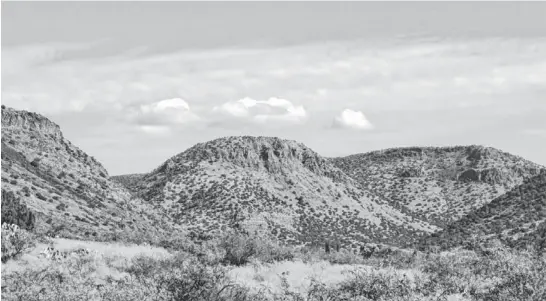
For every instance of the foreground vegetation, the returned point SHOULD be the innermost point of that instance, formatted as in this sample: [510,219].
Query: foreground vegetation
[201,272]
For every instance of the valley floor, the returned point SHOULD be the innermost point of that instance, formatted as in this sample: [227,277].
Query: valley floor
[239,267]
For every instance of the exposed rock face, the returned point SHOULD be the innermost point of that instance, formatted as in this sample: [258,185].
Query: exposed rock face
[488,175]
[30,121]
[477,152]
[270,154]
[470,175]
[493,176]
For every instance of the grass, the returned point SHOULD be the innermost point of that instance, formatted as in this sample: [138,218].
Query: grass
[241,267]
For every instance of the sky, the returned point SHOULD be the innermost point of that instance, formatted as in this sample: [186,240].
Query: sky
[135,83]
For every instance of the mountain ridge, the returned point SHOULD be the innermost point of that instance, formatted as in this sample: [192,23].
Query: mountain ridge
[270,185]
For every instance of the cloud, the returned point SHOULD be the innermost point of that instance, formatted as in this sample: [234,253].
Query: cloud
[352,119]
[409,86]
[261,111]
[152,117]
[239,108]
[387,76]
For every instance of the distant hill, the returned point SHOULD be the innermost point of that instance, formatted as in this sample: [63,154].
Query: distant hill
[129,181]
[279,186]
[65,187]
[517,218]
[438,184]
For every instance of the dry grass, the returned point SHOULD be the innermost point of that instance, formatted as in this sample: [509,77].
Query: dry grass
[125,272]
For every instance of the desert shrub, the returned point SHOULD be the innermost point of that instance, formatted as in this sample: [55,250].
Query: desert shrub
[14,241]
[14,212]
[142,278]
[376,285]
[35,163]
[182,279]
[238,247]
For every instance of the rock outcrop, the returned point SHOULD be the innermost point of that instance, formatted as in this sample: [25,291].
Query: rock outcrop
[269,154]
[30,121]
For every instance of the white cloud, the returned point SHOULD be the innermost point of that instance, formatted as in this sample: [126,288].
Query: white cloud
[494,79]
[239,108]
[174,111]
[272,109]
[414,75]
[352,119]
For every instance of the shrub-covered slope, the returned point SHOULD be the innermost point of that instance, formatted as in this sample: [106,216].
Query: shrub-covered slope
[438,184]
[517,218]
[60,183]
[275,185]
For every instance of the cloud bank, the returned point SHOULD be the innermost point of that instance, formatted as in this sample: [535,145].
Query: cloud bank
[262,111]
[420,91]
[159,116]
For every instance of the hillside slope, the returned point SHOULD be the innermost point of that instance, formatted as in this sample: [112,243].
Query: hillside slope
[517,218]
[68,190]
[272,185]
[438,184]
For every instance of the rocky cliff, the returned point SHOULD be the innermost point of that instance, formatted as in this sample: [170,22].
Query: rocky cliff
[31,122]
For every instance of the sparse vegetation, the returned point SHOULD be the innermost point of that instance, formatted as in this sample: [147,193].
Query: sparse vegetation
[254,204]
[200,273]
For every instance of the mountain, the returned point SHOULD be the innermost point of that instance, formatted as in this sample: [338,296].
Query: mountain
[438,185]
[63,186]
[275,187]
[517,218]
[269,184]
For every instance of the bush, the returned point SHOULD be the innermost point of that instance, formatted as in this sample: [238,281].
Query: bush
[142,278]
[14,212]
[35,163]
[239,248]
[14,241]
